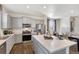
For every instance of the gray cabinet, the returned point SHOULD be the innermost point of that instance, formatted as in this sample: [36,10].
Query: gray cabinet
[9,43]
[9,22]
[17,22]
[38,48]
[18,38]
[17,26]
[0,16]
[0,19]
[33,22]
[3,49]
[6,21]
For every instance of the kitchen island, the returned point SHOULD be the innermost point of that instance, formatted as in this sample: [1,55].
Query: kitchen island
[47,46]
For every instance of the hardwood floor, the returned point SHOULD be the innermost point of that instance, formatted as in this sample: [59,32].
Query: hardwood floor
[22,48]
[74,49]
[26,48]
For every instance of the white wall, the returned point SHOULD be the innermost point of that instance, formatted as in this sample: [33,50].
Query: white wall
[58,25]
[45,23]
[0,20]
[65,24]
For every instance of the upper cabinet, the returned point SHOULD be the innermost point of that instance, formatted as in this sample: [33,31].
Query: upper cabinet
[0,16]
[33,22]
[5,19]
[9,21]
[0,20]
[17,22]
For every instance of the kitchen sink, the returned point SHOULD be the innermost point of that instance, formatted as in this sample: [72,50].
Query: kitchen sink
[48,37]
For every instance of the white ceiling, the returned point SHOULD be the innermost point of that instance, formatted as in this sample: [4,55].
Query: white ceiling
[38,10]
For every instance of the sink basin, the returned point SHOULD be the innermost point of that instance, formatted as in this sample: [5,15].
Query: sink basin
[48,37]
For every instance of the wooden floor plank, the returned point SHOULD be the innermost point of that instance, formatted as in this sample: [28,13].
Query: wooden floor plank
[22,48]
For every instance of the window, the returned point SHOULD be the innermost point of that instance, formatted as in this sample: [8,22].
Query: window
[51,25]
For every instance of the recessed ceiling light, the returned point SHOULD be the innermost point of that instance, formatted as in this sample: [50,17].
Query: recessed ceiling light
[72,11]
[28,6]
[44,7]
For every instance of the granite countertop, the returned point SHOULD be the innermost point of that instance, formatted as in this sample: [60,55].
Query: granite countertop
[3,40]
[75,35]
[53,45]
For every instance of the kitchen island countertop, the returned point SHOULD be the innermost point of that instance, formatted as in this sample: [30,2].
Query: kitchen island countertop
[5,39]
[53,45]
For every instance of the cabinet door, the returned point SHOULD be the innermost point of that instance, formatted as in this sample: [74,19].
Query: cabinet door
[26,20]
[0,20]
[17,23]
[18,38]
[38,48]
[9,43]
[9,22]
[4,20]
[3,49]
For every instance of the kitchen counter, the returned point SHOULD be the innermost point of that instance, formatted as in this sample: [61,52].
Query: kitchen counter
[9,39]
[5,37]
[2,40]
[72,34]
[75,36]
[54,45]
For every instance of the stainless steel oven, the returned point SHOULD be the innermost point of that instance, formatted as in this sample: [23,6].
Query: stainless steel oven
[26,33]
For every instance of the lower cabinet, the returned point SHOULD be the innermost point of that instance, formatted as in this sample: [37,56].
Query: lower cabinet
[15,38]
[18,38]
[38,49]
[9,43]
[3,48]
